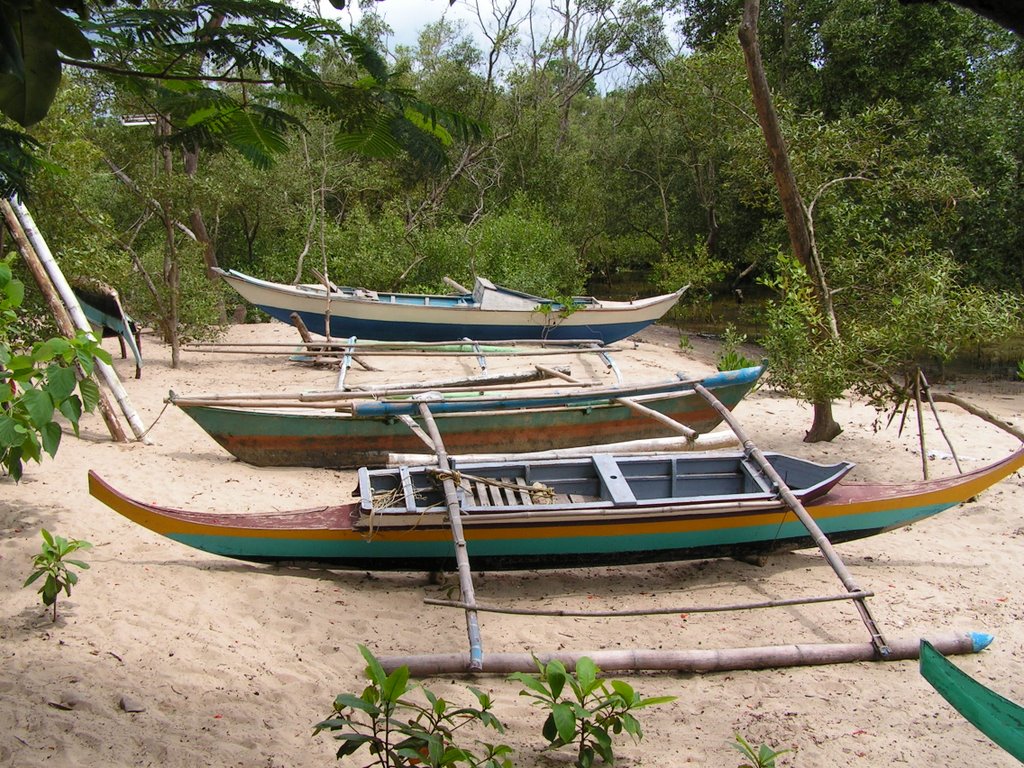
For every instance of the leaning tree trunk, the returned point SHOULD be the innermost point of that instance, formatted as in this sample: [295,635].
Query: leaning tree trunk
[824,426]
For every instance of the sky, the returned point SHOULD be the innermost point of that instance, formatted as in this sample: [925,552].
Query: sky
[407,17]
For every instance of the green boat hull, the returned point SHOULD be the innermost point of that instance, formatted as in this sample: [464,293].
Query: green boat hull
[996,716]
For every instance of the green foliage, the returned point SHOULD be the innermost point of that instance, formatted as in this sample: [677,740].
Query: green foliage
[762,757]
[1020,370]
[38,384]
[806,361]
[695,267]
[53,562]
[584,710]
[400,731]
[729,356]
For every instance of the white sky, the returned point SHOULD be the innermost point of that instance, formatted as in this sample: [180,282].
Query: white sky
[407,17]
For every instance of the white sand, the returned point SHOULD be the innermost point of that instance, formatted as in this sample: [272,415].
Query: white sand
[234,663]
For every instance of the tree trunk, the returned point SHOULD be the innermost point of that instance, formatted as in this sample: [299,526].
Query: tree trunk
[824,427]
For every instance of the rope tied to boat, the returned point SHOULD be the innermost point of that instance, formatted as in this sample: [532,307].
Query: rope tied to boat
[539,493]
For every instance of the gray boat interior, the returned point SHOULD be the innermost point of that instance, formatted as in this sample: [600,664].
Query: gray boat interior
[600,480]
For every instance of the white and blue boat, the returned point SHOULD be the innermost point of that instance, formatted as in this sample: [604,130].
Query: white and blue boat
[488,313]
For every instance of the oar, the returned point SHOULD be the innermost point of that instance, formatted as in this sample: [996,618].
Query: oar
[809,522]
[476,653]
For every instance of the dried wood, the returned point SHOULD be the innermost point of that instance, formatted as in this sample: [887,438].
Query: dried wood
[920,423]
[938,421]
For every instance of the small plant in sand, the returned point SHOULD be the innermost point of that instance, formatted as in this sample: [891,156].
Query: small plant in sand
[584,709]
[761,757]
[53,563]
[400,731]
[730,358]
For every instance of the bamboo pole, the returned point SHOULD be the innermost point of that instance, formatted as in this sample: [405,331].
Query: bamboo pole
[920,423]
[106,373]
[620,612]
[330,397]
[575,346]
[720,660]
[643,410]
[537,373]
[57,309]
[461,555]
[384,352]
[798,509]
[711,441]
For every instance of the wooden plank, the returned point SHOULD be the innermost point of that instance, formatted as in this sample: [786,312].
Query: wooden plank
[611,475]
[407,489]
[524,492]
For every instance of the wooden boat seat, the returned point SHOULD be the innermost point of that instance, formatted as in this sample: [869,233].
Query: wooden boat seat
[755,473]
[611,477]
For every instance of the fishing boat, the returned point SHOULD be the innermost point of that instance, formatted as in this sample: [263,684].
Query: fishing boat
[997,717]
[598,510]
[351,429]
[487,313]
[101,305]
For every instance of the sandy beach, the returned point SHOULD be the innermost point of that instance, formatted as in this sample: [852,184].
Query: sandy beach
[232,664]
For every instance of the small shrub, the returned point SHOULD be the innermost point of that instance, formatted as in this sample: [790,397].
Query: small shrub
[591,711]
[1020,370]
[762,757]
[399,731]
[730,358]
[52,563]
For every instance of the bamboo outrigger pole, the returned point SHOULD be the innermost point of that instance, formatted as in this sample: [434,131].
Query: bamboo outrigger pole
[722,660]
[476,653]
[106,373]
[881,647]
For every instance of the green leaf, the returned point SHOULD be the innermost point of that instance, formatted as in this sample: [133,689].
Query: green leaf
[51,435]
[26,98]
[565,721]
[355,702]
[11,433]
[396,684]
[625,690]
[555,674]
[61,382]
[64,32]
[374,671]
[39,406]
[533,683]
[256,140]
[603,743]
[72,410]
[90,393]
[586,674]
